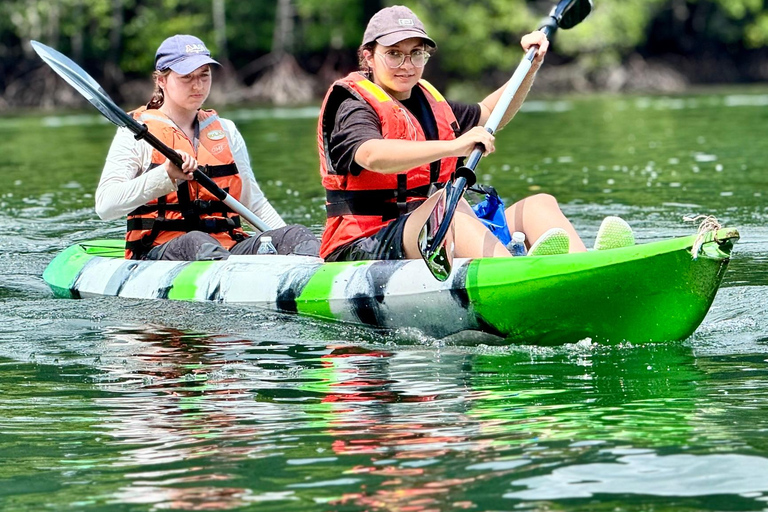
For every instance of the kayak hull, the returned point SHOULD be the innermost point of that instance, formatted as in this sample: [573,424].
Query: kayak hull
[651,292]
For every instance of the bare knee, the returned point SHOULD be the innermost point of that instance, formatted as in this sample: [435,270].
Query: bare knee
[542,201]
[531,211]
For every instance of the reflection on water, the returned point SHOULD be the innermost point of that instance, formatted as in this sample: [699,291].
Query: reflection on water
[110,404]
[182,420]
[646,473]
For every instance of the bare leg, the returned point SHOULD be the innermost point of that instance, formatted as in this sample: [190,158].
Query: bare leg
[413,225]
[472,238]
[536,214]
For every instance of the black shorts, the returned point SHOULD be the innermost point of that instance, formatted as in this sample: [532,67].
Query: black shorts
[386,244]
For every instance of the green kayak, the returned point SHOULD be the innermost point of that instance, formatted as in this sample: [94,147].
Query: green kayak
[647,292]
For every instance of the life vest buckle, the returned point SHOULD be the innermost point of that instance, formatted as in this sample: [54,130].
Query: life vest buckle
[201,205]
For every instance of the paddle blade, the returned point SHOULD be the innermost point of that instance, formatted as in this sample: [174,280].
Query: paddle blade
[570,13]
[436,239]
[76,76]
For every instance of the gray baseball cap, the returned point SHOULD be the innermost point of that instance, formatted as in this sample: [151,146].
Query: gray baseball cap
[182,54]
[391,25]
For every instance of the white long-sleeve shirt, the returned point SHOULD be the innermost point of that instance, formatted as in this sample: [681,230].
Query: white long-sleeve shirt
[127,182]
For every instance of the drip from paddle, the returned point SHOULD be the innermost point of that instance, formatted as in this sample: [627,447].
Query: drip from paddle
[436,236]
[76,76]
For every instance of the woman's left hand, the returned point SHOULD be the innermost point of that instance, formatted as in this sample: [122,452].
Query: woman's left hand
[539,39]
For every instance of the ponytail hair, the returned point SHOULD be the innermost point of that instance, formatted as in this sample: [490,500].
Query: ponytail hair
[158,98]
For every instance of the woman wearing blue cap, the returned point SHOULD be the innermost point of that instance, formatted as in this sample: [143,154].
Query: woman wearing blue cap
[170,216]
[387,138]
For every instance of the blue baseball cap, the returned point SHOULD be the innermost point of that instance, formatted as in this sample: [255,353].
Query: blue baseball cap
[182,54]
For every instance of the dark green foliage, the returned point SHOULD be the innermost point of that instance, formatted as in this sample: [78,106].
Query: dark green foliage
[116,39]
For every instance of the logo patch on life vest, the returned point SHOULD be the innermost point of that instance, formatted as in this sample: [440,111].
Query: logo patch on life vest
[216,134]
[218,148]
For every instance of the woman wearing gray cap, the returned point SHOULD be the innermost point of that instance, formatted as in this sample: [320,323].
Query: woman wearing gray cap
[387,138]
[170,216]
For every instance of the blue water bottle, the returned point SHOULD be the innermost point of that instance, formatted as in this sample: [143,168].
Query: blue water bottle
[517,245]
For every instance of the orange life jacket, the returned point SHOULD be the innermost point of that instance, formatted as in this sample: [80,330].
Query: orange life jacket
[359,206]
[191,207]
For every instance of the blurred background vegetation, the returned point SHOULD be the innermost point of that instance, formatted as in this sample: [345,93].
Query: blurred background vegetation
[288,51]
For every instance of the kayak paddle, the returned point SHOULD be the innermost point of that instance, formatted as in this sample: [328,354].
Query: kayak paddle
[76,76]
[436,237]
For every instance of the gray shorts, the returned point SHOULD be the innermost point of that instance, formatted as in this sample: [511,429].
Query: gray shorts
[199,246]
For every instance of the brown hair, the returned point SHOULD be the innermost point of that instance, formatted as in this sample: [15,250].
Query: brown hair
[158,98]
[361,57]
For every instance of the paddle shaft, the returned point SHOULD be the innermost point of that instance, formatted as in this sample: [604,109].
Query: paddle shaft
[492,124]
[201,178]
[142,132]
[465,175]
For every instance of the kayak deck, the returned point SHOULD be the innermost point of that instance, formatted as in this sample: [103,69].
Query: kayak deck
[646,292]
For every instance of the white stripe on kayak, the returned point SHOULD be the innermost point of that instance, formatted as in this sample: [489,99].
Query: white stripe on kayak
[151,279]
[252,279]
[408,287]
[93,279]
[133,279]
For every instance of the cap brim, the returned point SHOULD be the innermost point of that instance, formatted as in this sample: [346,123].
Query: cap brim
[190,64]
[401,35]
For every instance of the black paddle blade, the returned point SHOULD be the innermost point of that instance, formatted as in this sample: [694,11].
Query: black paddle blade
[436,238]
[570,13]
[76,76]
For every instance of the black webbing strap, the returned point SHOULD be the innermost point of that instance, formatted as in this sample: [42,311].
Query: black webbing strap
[205,225]
[201,207]
[402,193]
[389,203]
[218,171]
[386,211]
[483,189]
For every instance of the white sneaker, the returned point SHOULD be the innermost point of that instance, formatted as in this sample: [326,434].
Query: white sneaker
[553,241]
[614,233]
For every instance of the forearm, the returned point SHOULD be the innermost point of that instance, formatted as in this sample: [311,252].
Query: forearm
[267,213]
[388,156]
[117,196]
[490,102]
[124,185]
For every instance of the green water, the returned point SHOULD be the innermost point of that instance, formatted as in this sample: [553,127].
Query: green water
[115,404]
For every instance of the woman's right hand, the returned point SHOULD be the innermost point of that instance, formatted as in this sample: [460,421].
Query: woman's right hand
[477,135]
[188,167]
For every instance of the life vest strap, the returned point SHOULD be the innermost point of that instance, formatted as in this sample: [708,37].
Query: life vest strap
[139,248]
[204,225]
[339,196]
[187,204]
[200,206]
[388,204]
[212,171]
[218,171]
[387,211]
